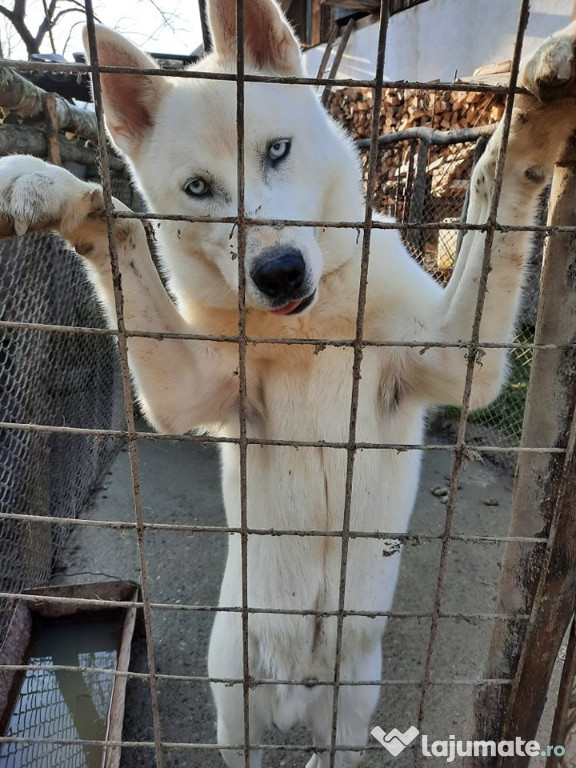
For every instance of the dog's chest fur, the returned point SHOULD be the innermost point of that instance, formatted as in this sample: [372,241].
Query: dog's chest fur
[303,488]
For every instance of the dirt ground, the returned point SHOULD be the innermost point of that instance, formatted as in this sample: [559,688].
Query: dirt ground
[180,483]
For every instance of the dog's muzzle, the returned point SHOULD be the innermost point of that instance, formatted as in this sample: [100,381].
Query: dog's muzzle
[280,275]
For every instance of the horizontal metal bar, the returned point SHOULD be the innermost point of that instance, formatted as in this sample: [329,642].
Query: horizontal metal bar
[404,538]
[202,679]
[197,74]
[472,450]
[187,745]
[183,607]
[492,225]
[292,341]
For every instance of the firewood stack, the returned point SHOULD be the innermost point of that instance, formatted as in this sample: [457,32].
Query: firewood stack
[403,108]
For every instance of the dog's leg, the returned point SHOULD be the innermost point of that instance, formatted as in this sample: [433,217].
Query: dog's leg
[225,663]
[541,124]
[181,383]
[356,704]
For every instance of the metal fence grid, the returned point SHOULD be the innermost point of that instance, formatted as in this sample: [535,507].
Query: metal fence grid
[22,429]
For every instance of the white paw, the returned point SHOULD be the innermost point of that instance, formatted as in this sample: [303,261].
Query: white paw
[551,70]
[35,195]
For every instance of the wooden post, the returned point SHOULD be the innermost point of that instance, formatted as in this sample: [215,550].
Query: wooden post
[539,579]
[563,725]
[51,126]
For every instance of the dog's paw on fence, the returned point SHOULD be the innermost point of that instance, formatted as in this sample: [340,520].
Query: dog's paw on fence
[36,196]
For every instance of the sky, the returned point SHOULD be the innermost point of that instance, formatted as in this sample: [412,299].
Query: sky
[158,26]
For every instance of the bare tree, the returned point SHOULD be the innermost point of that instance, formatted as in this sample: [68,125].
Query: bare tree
[34,36]
[49,25]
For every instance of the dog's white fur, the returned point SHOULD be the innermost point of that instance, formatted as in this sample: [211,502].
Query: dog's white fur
[177,130]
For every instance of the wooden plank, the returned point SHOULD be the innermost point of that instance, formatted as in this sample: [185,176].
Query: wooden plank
[563,726]
[51,128]
[539,579]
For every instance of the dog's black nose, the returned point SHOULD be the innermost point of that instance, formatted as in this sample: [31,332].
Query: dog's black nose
[280,276]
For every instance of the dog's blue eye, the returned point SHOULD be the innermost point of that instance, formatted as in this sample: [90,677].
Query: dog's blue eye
[197,187]
[279,150]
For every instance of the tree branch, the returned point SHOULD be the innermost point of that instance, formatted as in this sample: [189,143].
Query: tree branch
[19,9]
[16,18]
[431,135]
[64,11]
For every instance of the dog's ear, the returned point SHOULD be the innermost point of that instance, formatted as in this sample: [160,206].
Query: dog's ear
[130,100]
[269,43]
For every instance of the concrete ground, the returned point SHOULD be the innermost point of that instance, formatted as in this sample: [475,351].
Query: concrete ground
[180,484]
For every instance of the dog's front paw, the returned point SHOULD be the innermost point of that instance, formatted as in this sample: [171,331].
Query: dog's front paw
[37,196]
[550,73]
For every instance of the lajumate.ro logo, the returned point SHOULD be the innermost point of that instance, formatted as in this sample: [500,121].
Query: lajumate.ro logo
[396,742]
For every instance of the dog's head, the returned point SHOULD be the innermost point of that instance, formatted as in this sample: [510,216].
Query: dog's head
[181,138]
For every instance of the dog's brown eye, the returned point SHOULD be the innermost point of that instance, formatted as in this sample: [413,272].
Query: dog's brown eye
[196,187]
[278,150]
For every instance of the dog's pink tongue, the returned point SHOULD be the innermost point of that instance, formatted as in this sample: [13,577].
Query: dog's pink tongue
[285,310]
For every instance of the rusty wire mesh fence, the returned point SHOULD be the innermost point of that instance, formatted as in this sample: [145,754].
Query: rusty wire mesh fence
[66,407]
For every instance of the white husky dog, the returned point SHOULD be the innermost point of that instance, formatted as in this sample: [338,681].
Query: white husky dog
[180,138]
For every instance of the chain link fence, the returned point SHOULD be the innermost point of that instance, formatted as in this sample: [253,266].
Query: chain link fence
[54,379]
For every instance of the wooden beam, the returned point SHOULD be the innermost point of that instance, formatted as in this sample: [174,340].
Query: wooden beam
[31,140]
[27,100]
[539,579]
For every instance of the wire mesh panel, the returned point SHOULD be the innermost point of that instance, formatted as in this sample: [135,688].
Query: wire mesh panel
[54,379]
[72,705]
[430,676]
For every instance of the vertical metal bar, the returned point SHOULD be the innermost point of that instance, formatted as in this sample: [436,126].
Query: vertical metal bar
[242,445]
[358,353]
[409,177]
[345,36]
[416,236]
[327,51]
[126,382]
[408,189]
[460,450]
[536,579]
[396,151]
